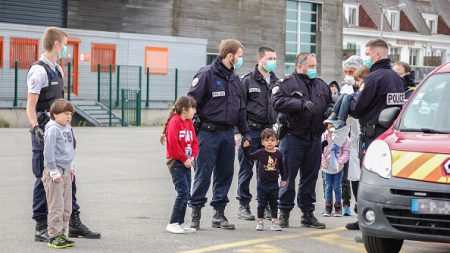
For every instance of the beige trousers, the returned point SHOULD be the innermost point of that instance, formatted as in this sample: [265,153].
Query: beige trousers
[59,202]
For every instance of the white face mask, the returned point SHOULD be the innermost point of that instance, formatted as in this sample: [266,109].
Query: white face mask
[348,80]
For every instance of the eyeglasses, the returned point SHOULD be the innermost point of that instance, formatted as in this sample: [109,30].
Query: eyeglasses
[303,57]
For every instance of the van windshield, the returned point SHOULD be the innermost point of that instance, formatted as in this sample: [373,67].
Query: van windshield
[429,110]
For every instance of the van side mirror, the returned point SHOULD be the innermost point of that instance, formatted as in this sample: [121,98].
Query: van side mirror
[388,116]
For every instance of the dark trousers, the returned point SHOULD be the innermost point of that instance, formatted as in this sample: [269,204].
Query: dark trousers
[346,189]
[305,156]
[267,193]
[215,157]
[246,168]
[181,178]
[342,106]
[40,210]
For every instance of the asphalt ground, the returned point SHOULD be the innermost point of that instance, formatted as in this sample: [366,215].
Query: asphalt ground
[126,193]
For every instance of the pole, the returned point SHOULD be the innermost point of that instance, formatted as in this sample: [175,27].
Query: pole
[69,76]
[148,87]
[381,21]
[110,94]
[16,82]
[176,84]
[123,107]
[98,83]
[118,85]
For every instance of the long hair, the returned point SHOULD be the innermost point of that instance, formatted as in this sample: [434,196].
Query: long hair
[183,102]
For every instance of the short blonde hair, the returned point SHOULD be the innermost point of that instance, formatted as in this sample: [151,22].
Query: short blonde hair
[59,106]
[51,35]
[229,46]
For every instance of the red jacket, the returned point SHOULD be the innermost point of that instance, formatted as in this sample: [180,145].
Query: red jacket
[179,134]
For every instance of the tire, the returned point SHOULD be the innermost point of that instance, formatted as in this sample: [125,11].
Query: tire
[381,245]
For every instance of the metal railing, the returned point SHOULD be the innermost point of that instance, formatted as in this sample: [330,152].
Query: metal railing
[131,107]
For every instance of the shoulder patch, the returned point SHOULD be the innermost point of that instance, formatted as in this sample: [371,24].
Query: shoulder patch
[275,89]
[195,82]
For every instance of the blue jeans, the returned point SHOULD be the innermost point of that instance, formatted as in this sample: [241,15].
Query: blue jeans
[246,168]
[342,106]
[181,178]
[304,156]
[215,156]
[333,183]
[40,210]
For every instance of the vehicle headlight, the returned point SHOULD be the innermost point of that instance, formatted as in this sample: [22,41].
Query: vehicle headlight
[378,159]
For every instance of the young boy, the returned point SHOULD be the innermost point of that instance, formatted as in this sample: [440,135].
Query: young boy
[58,173]
[269,167]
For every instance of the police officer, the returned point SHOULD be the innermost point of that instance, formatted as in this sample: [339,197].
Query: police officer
[45,85]
[260,114]
[307,101]
[220,106]
[369,103]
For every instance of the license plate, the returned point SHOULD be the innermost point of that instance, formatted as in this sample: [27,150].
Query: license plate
[430,206]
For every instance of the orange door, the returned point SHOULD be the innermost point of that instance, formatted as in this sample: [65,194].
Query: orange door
[72,58]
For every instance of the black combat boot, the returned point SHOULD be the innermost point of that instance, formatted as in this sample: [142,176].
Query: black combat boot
[245,213]
[196,215]
[283,219]
[220,221]
[78,229]
[41,234]
[310,221]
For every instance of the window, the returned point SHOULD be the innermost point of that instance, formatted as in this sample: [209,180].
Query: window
[413,56]
[394,19]
[351,14]
[156,59]
[394,54]
[210,57]
[103,54]
[1,52]
[301,31]
[431,21]
[24,51]
[351,49]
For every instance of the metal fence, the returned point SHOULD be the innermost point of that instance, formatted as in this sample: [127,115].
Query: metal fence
[131,107]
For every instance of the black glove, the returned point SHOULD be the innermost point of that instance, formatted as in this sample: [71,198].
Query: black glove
[38,134]
[246,137]
[308,105]
[196,122]
[328,112]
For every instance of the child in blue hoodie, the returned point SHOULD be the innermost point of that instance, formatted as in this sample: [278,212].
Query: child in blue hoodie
[59,152]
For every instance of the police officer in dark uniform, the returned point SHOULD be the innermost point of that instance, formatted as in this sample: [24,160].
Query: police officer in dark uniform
[307,101]
[367,105]
[220,106]
[45,85]
[257,90]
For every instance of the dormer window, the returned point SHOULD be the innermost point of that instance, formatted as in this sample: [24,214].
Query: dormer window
[431,21]
[393,18]
[351,14]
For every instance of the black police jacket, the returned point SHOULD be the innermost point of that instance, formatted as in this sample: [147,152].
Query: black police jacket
[290,96]
[368,104]
[218,93]
[257,93]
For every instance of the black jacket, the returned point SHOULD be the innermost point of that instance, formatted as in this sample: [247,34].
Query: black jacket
[368,104]
[290,96]
[256,94]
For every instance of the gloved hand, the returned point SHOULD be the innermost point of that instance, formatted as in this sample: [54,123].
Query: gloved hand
[38,134]
[196,122]
[246,137]
[335,150]
[308,105]
[328,112]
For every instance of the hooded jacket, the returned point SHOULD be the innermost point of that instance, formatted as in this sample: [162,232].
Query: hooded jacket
[59,149]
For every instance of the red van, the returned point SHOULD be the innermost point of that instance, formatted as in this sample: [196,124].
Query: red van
[404,191]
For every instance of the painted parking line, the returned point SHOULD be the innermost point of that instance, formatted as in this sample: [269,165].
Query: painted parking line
[263,240]
[341,242]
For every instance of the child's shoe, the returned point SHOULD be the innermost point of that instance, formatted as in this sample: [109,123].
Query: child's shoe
[260,225]
[69,242]
[347,210]
[188,229]
[338,209]
[175,228]
[57,242]
[275,226]
[338,125]
[331,119]
[328,209]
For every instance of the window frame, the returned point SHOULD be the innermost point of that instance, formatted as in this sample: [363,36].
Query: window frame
[2,54]
[94,61]
[395,26]
[13,41]
[159,71]
[431,17]
[347,8]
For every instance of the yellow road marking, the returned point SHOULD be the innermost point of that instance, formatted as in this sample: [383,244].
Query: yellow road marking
[264,240]
[262,248]
[341,242]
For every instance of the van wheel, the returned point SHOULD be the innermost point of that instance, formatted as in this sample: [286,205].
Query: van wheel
[381,245]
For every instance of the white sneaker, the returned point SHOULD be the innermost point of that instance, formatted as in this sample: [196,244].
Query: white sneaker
[175,228]
[275,226]
[259,225]
[187,228]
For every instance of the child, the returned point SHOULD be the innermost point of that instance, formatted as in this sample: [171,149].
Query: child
[340,110]
[333,160]
[58,173]
[182,147]
[269,167]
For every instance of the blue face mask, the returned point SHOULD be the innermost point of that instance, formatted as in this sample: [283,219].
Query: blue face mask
[238,63]
[271,65]
[367,62]
[312,73]
[63,53]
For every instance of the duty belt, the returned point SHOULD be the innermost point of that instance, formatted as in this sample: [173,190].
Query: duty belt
[256,125]
[212,127]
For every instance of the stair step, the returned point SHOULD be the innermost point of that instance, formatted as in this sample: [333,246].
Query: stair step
[97,112]
[90,107]
[82,102]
